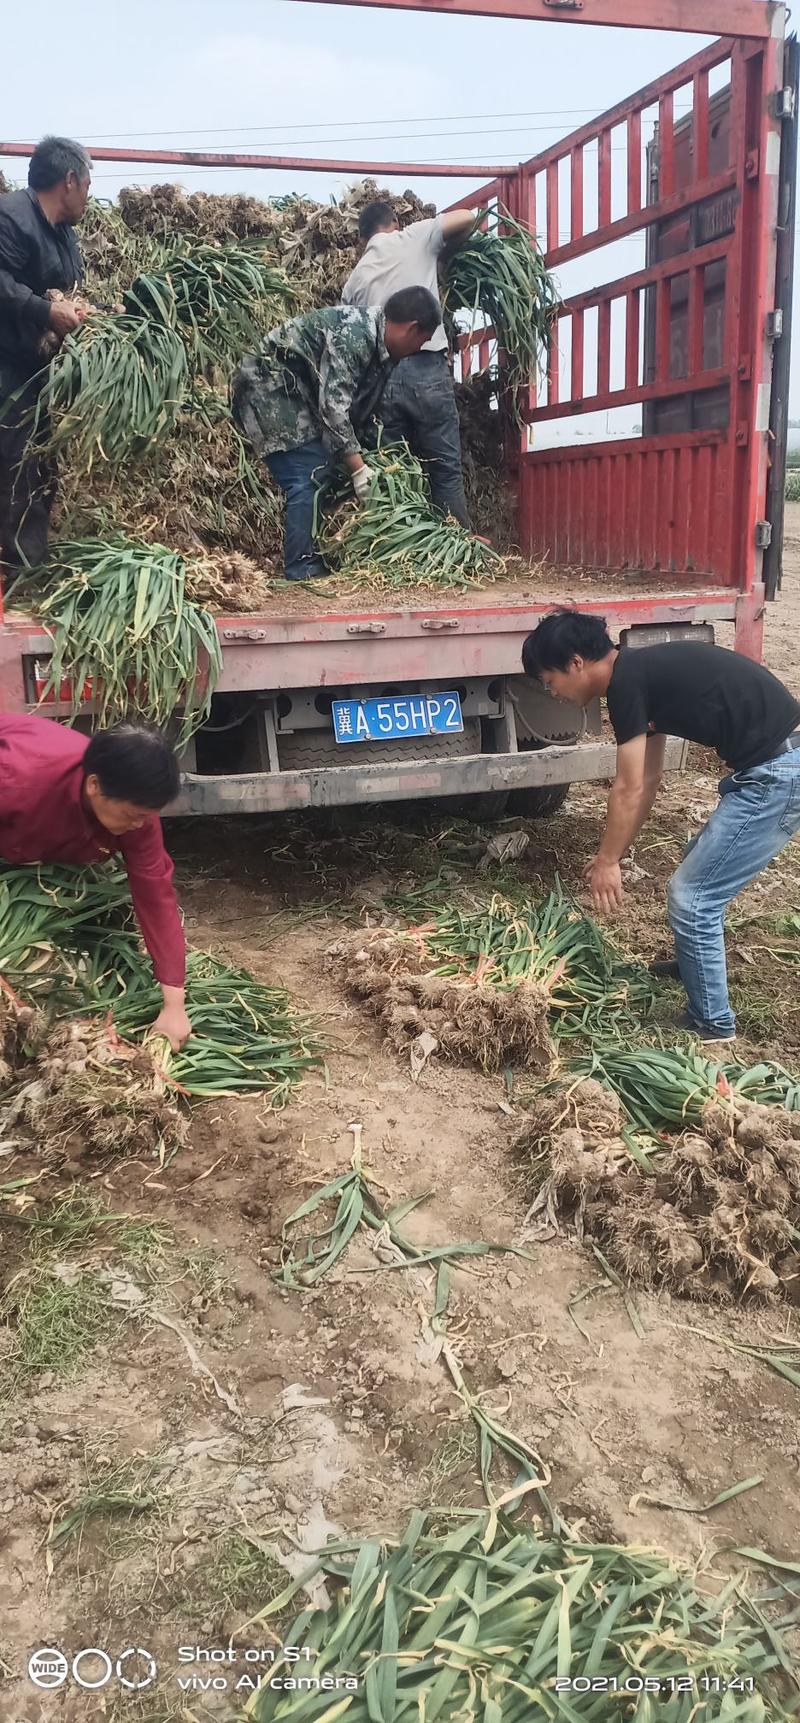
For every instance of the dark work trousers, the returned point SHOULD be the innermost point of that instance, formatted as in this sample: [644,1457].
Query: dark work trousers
[27,485]
[299,473]
[419,404]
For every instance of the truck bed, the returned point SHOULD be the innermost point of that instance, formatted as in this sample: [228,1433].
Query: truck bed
[332,634]
[521,584]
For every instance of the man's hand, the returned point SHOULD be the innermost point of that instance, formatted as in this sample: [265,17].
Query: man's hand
[361,481]
[604,880]
[64,317]
[173,1022]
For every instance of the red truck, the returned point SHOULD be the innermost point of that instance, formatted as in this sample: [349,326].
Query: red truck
[667,530]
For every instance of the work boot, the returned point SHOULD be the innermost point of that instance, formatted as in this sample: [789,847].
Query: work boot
[665,969]
[704,1032]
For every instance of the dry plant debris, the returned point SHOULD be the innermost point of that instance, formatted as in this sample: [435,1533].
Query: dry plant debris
[92,1093]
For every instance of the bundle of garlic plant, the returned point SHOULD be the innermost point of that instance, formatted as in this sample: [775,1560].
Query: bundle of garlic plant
[674,1088]
[498,982]
[396,537]
[69,944]
[712,1209]
[86,1089]
[114,389]
[124,633]
[202,493]
[219,299]
[464,1618]
[499,280]
[592,989]
[247,1035]
[48,916]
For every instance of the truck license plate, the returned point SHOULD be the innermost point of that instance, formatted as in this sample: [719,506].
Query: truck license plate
[401,715]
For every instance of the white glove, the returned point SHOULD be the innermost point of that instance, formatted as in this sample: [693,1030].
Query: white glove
[362,480]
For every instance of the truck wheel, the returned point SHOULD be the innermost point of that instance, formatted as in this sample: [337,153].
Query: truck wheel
[540,800]
[484,808]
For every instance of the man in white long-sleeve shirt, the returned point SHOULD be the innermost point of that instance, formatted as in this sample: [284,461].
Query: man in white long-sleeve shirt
[419,402]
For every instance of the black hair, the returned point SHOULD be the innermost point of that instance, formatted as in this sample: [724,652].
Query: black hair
[562,636]
[414,305]
[373,217]
[134,763]
[53,159]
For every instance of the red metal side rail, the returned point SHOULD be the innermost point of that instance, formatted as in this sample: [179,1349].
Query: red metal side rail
[754,18]
[279,164]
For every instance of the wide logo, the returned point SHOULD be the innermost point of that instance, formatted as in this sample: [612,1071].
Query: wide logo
[92,1668]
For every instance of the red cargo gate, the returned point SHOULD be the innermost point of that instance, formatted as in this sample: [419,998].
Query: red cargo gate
[688,337]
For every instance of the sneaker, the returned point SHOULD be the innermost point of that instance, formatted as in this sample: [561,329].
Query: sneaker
[665,969]
[703,1031]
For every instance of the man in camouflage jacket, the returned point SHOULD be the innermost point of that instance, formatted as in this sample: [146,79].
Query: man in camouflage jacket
[303,399]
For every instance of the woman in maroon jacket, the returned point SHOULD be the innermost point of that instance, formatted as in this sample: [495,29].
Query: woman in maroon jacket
[67,798]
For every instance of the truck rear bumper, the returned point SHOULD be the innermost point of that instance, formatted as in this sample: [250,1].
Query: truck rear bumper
[406,780]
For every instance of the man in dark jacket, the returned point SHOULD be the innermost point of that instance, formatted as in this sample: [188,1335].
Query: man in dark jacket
[38,251]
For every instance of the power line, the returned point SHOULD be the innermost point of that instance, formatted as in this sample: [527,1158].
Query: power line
[330,125]
[418,137]
[392,138]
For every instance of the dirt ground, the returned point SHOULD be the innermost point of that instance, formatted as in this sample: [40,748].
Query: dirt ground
[299,1412]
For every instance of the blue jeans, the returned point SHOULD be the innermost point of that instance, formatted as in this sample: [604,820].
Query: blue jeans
[295,471]
[759,811]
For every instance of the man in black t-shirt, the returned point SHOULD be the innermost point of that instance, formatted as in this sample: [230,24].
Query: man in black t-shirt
[706,695]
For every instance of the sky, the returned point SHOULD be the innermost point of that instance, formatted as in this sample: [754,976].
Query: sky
[293,78]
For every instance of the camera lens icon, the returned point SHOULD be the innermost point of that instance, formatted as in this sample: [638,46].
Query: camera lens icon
[136,1668]
[92,1668]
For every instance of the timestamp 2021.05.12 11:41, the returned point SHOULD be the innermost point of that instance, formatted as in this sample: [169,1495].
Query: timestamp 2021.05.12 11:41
[655,1684]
